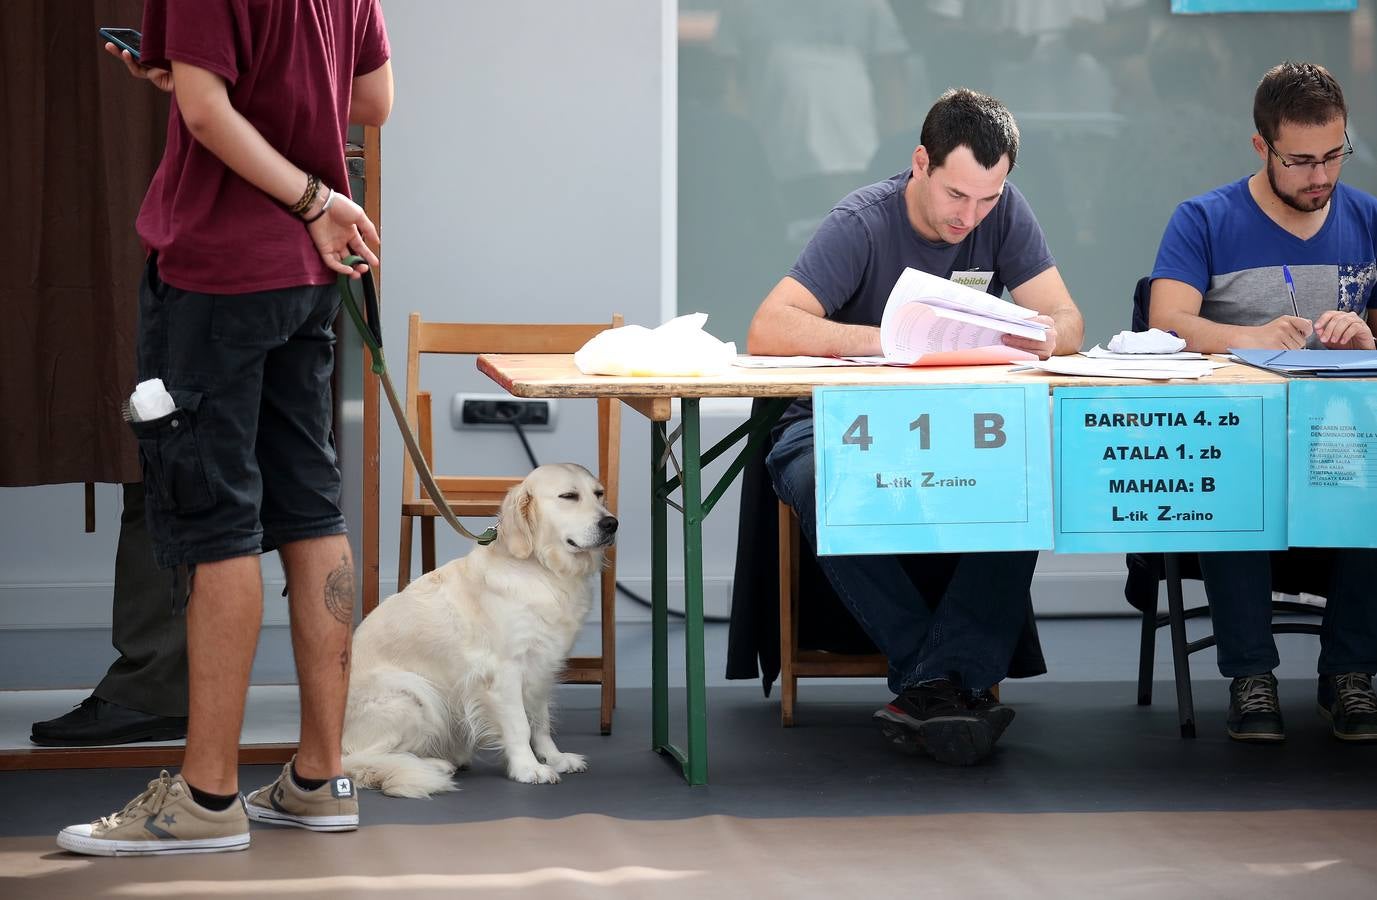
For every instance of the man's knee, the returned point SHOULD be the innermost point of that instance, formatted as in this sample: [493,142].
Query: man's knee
[790,463]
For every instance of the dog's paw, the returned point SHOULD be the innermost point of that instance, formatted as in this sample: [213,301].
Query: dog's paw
[567,762]
[533,774]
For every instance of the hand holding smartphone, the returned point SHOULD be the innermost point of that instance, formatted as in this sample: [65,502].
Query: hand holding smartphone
[120,41]
[125,39]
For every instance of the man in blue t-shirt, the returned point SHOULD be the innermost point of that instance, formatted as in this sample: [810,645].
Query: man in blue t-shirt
[948,623]
[1283,259]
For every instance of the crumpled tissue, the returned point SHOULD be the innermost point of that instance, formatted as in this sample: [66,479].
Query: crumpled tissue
[1154,340]
[678,347]
[150,400]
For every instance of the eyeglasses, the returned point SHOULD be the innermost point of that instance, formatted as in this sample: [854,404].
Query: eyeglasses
[1329,162]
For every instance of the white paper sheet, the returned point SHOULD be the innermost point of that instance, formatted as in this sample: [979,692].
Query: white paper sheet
[1113,368]
[1098,352]
[794,362]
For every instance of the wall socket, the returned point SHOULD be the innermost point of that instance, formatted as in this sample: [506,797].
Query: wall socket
[499,410]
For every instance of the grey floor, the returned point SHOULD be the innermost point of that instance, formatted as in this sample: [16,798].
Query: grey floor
[1098,649]
[1080,744]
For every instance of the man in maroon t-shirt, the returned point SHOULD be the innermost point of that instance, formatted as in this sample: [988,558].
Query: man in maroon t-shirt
[247,223]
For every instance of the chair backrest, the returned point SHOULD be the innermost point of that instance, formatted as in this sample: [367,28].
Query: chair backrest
[1142,298]
[465,339]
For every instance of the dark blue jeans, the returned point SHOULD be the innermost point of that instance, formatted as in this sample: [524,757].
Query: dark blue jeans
[939,615]
[1239,587]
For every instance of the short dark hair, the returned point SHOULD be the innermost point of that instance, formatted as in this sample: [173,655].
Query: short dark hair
[1298,92]
[962,117]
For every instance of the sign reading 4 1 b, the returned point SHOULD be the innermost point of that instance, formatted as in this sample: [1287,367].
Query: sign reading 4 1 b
[930,469]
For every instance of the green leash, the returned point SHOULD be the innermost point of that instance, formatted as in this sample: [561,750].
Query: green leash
[370,329]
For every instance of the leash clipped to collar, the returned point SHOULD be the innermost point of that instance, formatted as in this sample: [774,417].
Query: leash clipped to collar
[370,329]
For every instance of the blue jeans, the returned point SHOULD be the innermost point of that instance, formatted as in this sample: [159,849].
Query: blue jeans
[940,615]
[1239,588]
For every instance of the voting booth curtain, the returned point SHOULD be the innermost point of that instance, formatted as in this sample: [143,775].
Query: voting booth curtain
[79,140]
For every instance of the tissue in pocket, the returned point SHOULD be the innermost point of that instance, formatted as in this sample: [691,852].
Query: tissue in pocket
[150,401]
[678,347]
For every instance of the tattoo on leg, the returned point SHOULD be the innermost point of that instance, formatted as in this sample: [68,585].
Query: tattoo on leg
[339,593]
[344,661]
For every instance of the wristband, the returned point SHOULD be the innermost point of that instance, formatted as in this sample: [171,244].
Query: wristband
[323,209]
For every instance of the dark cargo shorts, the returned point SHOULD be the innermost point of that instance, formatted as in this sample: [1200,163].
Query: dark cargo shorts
[246,463]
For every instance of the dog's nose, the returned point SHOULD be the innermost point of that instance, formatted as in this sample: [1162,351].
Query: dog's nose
[608,524]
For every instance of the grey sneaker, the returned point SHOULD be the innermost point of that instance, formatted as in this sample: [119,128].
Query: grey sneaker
[334,806]
[163,819]
[1350,704]
[1254,712]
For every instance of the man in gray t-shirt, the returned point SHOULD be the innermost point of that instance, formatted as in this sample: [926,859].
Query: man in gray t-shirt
[948,623]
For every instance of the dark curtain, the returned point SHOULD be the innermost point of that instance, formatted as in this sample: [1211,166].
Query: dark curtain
[80,141]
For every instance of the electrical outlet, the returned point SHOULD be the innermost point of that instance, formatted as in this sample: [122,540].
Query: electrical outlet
[500,411]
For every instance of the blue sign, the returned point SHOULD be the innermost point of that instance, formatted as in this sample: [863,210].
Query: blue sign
[929,469]
[1333,472]
[1189,7]
[1170,468]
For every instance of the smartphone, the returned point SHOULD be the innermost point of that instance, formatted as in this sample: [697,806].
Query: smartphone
[125,39]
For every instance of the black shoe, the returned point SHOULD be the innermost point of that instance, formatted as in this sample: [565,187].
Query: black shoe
[988,707]
[97,722]
[1254,713]
[1350,704]
[933,718]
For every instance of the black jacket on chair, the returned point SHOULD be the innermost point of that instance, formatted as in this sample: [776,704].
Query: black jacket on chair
[824,622]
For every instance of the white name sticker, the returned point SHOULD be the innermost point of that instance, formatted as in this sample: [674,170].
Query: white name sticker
[979,281]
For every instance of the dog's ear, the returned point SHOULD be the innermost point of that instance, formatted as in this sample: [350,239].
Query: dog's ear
[515,528]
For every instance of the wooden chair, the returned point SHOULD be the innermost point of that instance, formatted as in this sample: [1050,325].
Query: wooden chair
[793,662]
[470,495]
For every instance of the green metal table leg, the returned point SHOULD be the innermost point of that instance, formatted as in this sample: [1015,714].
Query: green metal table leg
[694,666]
[695,508]
[659,593]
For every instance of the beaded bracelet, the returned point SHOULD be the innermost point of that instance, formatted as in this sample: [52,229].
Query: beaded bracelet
[307,197]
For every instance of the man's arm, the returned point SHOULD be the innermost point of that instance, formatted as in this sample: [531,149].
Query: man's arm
[220,128]
[1046,293]
[1175,306]
[791,322]
[370,102]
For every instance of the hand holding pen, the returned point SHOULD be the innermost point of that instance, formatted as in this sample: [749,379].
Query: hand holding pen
[1286,332]
[1291,289]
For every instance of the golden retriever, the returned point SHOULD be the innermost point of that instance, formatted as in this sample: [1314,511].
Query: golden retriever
[466,656]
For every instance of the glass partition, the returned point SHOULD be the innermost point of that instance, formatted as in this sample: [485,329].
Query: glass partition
[785,106]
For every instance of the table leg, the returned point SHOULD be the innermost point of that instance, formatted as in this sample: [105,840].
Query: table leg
[694,665]
[659,593]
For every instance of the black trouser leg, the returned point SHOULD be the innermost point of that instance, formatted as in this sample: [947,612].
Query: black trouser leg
[151,674]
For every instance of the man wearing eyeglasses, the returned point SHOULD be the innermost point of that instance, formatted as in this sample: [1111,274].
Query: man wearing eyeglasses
[1285,258]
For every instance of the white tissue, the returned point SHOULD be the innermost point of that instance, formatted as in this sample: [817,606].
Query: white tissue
[679,347]
[1154,340]
[150,400]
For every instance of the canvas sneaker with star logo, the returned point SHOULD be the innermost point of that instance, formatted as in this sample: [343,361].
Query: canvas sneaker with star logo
[334,806]
[163,819]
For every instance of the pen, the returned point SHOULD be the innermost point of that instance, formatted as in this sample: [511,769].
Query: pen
[1291,288]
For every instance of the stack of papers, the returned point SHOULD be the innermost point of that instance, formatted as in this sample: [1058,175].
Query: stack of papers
[1098,352]
[1328,363]
[927,315]
[1151,367]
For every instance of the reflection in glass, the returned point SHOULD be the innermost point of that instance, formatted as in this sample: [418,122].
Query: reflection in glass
[785,106]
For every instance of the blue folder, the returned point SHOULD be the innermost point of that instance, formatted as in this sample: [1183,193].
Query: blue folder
[1333,363]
